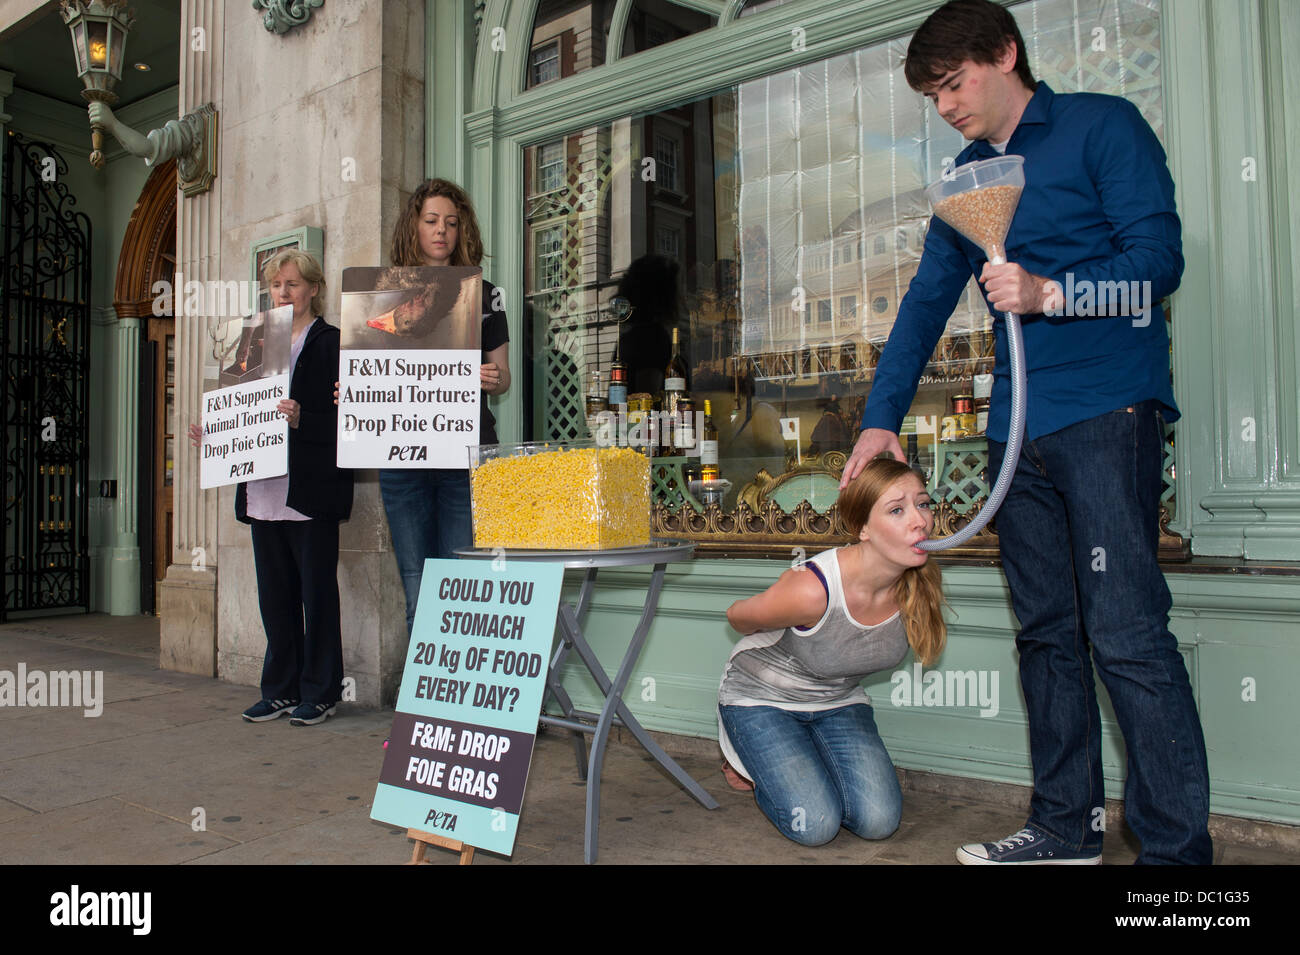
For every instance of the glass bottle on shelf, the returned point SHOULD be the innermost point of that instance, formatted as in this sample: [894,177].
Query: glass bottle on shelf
[617,382]
[685,440]
[595,403]
[709,446]
[982,380]
[675,378]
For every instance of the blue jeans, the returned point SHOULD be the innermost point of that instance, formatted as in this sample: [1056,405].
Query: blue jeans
[816,772]
[1078,535]
[428,516]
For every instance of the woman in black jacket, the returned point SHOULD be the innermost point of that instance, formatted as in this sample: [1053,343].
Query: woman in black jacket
[295,518]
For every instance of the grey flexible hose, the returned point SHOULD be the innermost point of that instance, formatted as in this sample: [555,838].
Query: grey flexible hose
[1015,437]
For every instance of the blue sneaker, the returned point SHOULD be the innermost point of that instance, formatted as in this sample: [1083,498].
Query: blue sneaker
[264,710]
[309,714]
[1026,847]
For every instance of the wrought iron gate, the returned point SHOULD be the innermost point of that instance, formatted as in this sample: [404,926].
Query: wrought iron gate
[44,359]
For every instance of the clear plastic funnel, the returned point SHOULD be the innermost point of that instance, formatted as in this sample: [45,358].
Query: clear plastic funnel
[979,200]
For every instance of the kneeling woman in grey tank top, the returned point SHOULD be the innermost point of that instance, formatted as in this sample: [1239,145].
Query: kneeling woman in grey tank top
[793,718]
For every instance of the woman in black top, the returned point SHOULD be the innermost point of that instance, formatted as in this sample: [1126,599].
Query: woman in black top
[295,518]
[429,509]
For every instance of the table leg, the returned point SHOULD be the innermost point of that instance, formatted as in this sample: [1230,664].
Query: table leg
[613,692]
[554,677]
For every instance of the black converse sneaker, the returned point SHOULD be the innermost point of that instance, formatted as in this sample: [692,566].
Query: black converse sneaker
[1029,846]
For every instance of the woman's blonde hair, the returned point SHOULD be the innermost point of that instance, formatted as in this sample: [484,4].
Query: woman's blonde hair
[919,592]
[405,248]
[308,268]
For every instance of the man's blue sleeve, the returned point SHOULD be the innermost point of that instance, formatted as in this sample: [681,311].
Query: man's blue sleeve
[922,315]
[1128,169]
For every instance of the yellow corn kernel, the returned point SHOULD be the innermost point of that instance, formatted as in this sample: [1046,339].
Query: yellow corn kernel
[574,499]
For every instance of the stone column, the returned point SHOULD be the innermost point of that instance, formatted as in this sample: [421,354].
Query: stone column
[188,595]
[124,566]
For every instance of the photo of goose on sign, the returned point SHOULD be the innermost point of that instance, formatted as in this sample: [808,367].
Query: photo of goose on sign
[462,740]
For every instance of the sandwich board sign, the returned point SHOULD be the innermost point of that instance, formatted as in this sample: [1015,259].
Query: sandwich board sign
[462,740]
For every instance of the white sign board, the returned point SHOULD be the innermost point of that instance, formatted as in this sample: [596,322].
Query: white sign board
[245,437]
[409,361]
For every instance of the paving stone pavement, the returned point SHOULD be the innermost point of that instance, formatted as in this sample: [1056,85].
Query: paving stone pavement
[128,786]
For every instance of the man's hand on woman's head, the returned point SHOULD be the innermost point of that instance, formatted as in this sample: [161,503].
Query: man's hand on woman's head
[870,443]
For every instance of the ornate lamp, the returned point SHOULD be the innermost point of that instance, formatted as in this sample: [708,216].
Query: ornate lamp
[99,30]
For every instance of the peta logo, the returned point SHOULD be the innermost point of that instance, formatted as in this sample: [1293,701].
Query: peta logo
[102,908]
[408,452]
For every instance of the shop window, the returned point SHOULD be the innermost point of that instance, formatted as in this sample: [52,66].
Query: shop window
[568,37]
[653,23]
[778,273]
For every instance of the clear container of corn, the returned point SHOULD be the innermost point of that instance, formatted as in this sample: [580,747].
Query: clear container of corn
[558,496]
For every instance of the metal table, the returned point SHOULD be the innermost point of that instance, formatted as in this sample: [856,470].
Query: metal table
[660,553]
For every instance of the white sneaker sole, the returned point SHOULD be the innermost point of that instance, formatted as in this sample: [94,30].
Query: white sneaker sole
[297,721]
[264,719]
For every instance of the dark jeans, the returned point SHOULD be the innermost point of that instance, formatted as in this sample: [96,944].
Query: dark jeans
[428,516]
[298,591]
[1078,534]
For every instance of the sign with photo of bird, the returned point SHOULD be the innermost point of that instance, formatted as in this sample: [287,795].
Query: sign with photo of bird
[409,361]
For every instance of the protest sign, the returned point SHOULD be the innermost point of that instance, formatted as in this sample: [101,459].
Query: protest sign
[462,740]
[244,435]
[409,367]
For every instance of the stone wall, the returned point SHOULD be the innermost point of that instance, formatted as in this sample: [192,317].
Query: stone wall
[322,126]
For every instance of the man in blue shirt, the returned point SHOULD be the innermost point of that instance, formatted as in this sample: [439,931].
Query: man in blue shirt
[1095,242]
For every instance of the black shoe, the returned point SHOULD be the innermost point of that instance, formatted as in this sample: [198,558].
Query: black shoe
[1026,847]
[264,710]
[309,714]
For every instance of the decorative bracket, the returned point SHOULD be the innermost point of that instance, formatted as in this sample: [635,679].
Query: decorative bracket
[196,166]
[281,16]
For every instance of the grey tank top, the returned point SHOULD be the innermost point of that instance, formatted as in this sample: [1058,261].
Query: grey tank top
[817,668]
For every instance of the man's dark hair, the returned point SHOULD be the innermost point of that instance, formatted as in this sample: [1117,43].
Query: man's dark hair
[975,30]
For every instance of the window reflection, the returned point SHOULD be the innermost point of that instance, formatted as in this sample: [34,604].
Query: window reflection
[758,6]
[656,22]
[568,37]
[776,227]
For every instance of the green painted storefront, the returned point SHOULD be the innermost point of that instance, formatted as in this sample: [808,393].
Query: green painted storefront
[1231,85]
